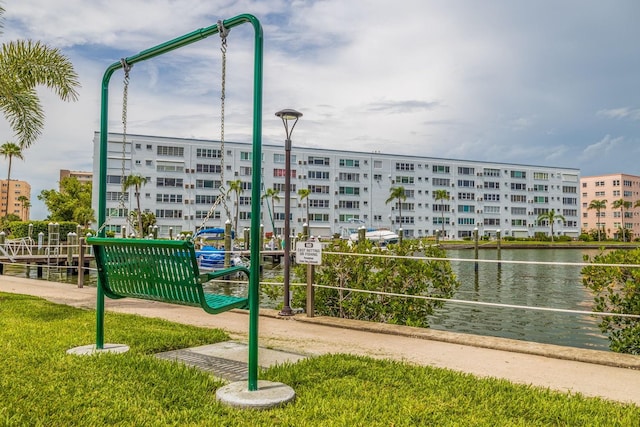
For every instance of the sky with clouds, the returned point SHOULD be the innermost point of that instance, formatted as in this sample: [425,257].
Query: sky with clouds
[545,82]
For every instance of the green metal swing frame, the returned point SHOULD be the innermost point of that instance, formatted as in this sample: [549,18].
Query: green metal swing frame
[254,276]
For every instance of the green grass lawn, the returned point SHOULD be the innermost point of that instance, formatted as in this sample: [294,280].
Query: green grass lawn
[42,385]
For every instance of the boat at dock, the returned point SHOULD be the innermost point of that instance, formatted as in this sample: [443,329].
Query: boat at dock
[210,250]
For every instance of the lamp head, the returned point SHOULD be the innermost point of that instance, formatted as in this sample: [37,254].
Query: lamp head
[289,114]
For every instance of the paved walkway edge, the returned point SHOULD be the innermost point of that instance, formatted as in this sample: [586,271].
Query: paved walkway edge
[617,360]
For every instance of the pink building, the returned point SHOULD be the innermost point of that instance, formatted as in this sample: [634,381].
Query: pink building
[608,189]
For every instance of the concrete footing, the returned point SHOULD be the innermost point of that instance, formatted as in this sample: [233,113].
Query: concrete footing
[91,349]
[269,395]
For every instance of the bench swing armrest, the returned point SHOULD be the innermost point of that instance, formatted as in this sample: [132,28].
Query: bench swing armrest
[205,277]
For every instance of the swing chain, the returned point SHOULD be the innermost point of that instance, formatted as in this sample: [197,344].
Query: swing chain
[125,100]
[222,197]
[125,95]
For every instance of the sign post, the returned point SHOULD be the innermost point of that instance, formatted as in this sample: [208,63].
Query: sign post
[310,253]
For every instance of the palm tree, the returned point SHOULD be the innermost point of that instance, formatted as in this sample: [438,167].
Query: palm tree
[550,217]
[305,193]
[10,150]
[137,182]
[24,65]
[441,195]
[622,204]
[598,205]
[397,193]
[236,186]
[25,204]
[273,194]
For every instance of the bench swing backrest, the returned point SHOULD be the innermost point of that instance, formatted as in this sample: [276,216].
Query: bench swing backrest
[159,270]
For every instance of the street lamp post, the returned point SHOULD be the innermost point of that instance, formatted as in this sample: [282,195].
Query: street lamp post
[287,116]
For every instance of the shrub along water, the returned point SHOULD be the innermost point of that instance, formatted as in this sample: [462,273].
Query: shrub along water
[616,290]
[365,271]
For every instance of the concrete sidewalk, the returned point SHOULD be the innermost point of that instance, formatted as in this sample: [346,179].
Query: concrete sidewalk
[589,372]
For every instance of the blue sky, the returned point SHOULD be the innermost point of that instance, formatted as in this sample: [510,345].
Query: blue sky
[547,82]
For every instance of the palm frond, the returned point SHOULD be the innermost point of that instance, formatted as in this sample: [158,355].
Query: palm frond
[23,111]
[33,63]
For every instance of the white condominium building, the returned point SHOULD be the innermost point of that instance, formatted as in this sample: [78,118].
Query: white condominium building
[348,189]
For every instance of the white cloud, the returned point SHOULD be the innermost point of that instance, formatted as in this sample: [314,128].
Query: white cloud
[483,81]
[603,148]
[632,114]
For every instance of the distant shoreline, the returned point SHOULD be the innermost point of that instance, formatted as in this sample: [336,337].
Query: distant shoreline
[541,245]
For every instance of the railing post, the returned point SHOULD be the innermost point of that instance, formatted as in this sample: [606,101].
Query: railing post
[40,242]
[475,247]
[81,262]
[247,239]
[227,244]
[311,296]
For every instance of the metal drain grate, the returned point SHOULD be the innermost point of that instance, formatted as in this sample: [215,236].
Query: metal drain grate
[226,369]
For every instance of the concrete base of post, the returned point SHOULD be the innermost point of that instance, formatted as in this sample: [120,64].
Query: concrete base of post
[90,349]
[268,395]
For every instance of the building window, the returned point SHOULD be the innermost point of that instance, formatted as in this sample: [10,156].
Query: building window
[318,161]
[405,166]
[169,182]
[208,183]
[440,169]
[349,163]
[466,208]
[168,213]
[170,151]
[203,168]
[283,173]
[351,191]
[344,176]
[169,198]
[208,153]
[541,176]
[404,180]
[323,175]
[114,196]
[349,204]
[322,189]
[319,203]
[442,182]
[205,199]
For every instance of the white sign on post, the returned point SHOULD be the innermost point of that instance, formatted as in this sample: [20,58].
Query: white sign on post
[309,253]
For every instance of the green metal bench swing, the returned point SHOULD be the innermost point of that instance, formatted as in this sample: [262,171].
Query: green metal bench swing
[164,270]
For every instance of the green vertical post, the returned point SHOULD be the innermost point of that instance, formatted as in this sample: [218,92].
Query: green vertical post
[254,285]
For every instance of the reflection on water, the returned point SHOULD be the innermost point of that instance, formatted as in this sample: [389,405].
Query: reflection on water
[556,286]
